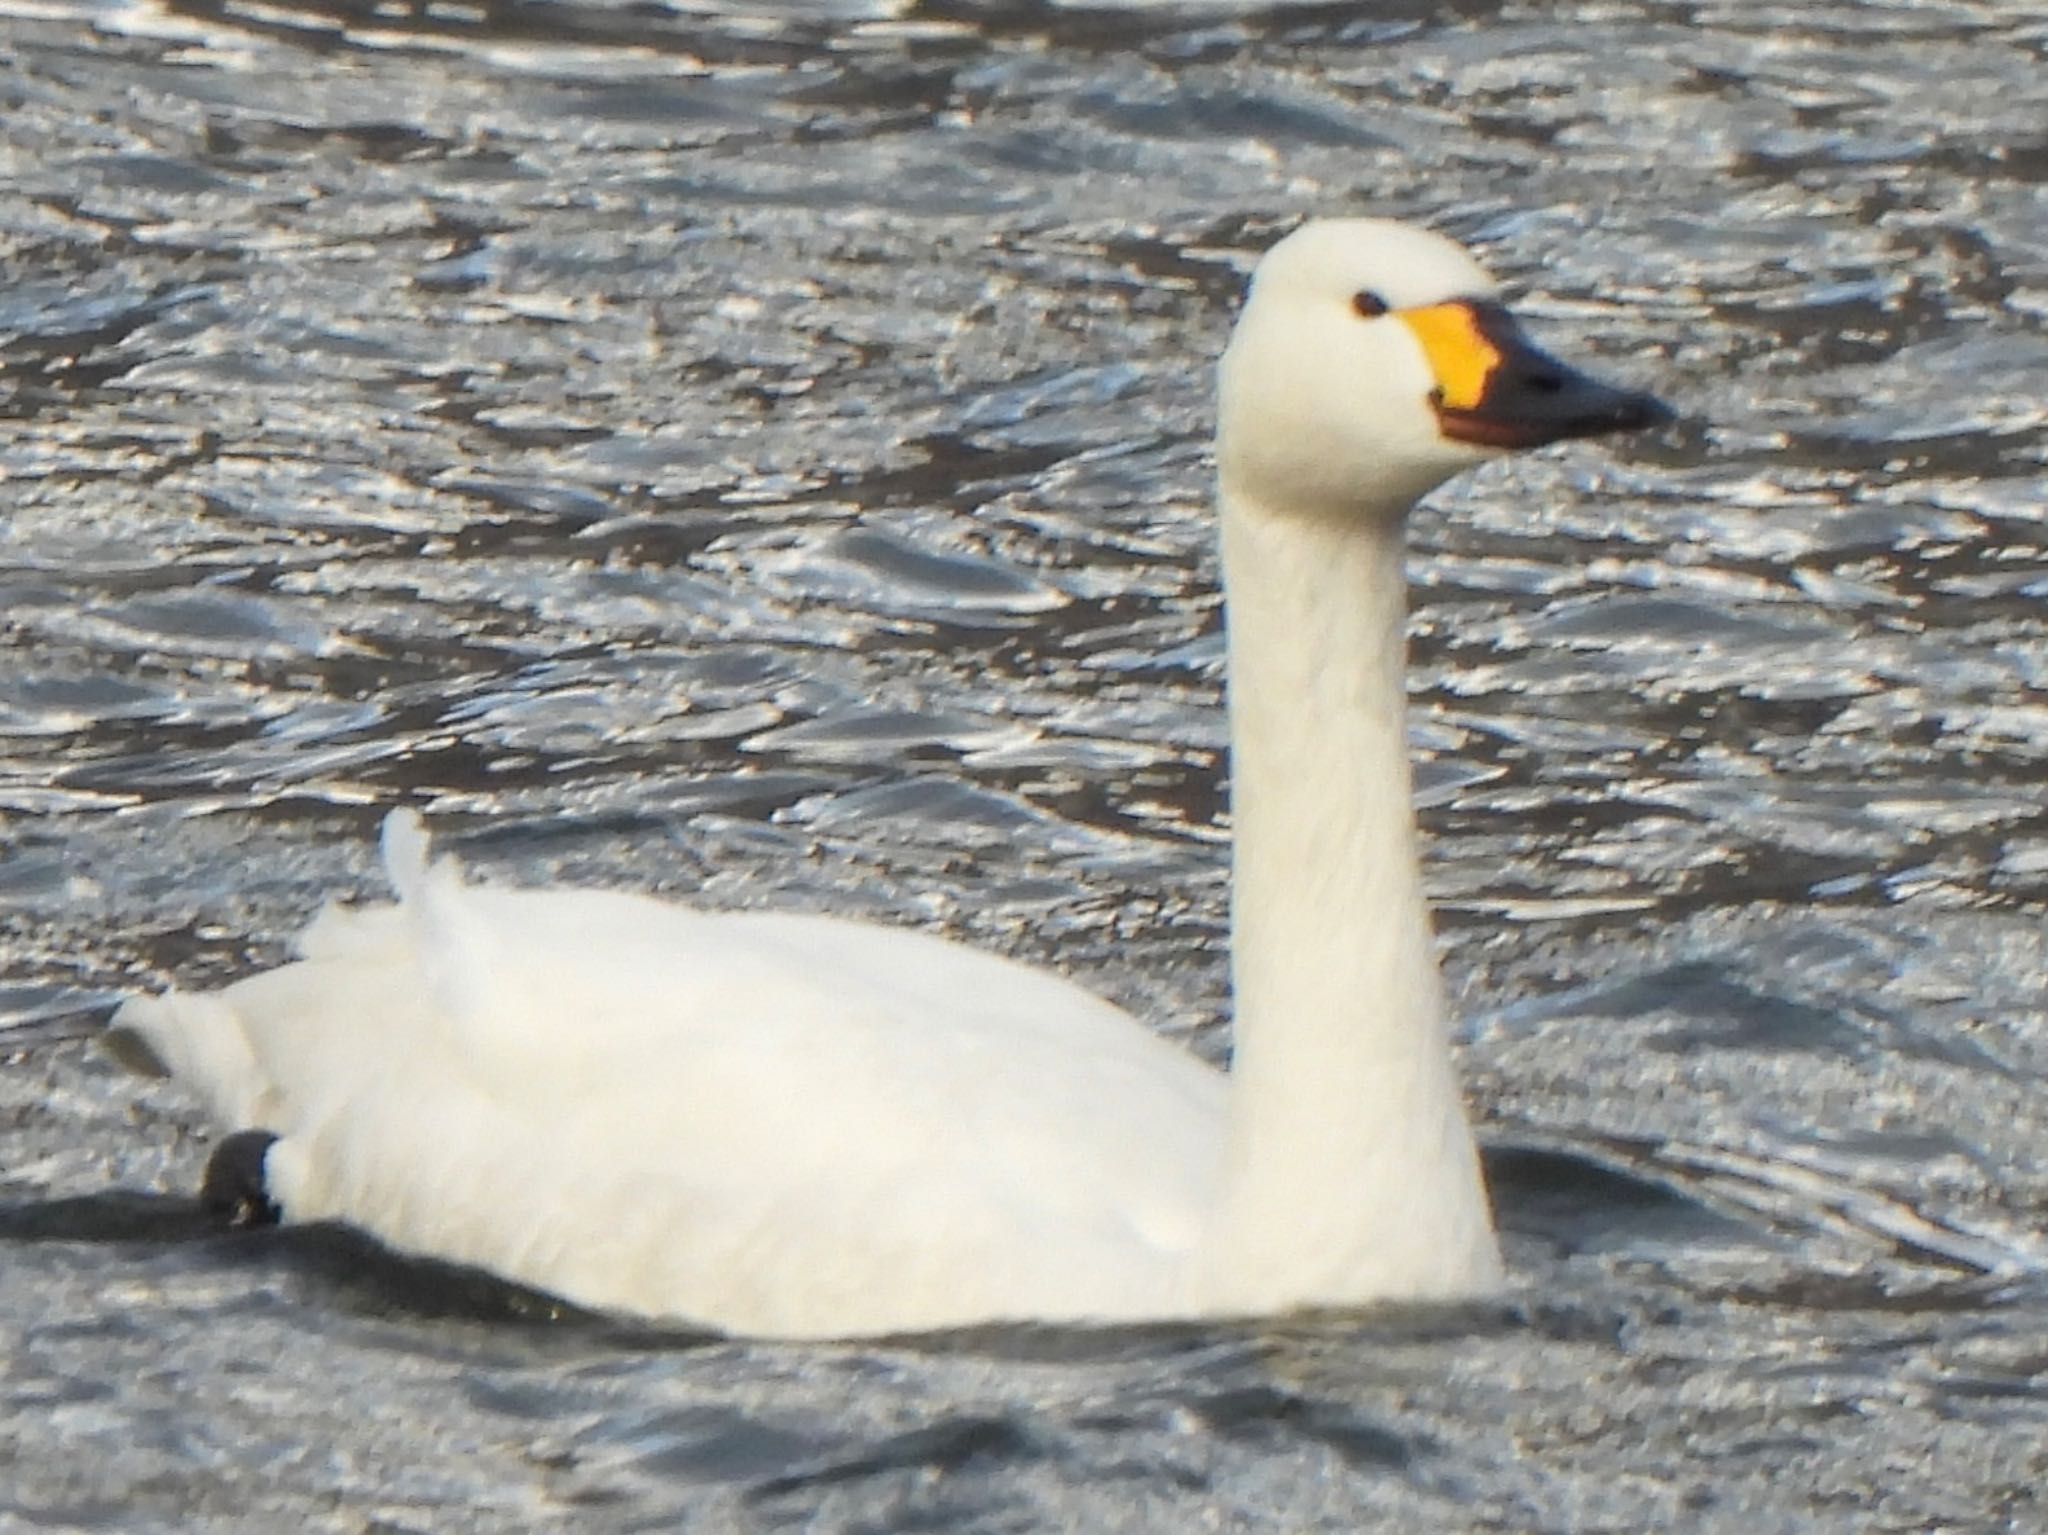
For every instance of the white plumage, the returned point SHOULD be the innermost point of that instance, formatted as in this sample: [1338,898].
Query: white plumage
[803,1126]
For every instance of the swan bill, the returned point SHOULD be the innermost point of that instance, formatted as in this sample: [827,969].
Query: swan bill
[1497,389]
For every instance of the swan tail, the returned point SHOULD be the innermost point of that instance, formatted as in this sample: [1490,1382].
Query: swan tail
[199,1040]
[234,1048]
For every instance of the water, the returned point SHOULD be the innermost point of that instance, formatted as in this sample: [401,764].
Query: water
[760,453]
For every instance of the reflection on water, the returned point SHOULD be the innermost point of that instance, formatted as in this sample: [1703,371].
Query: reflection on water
[759,452]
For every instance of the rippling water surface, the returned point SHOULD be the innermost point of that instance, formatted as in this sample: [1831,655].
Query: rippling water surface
[760,452]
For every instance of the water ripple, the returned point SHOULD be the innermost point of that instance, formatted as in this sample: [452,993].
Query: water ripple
[759,452]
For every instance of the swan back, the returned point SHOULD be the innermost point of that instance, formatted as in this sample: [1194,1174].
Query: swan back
[778,1124]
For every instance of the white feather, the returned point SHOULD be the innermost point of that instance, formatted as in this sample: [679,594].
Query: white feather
[798,1125]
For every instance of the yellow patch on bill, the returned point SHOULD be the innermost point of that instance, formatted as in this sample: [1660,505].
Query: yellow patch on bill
[1460,356]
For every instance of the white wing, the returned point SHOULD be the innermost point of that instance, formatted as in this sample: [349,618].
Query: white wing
[766,1123]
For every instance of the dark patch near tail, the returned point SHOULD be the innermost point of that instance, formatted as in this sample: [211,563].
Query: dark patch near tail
[232,1191]
[131,1050]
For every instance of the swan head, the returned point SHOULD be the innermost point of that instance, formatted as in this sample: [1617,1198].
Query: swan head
[1374,360]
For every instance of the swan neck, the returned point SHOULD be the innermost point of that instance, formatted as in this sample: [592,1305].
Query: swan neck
[1350,1172]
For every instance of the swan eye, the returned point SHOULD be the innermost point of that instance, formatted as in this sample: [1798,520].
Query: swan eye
[1368,305]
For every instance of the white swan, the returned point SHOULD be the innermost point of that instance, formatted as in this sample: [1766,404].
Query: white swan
[802,1126]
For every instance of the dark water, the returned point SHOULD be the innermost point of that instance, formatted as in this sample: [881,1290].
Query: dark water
[762,454]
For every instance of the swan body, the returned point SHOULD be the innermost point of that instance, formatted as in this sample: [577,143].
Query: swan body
[801,1126]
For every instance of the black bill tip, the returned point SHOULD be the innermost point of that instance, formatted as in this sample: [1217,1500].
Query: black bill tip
[1529,408]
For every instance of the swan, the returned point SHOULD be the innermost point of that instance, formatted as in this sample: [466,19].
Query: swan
[793,1126]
